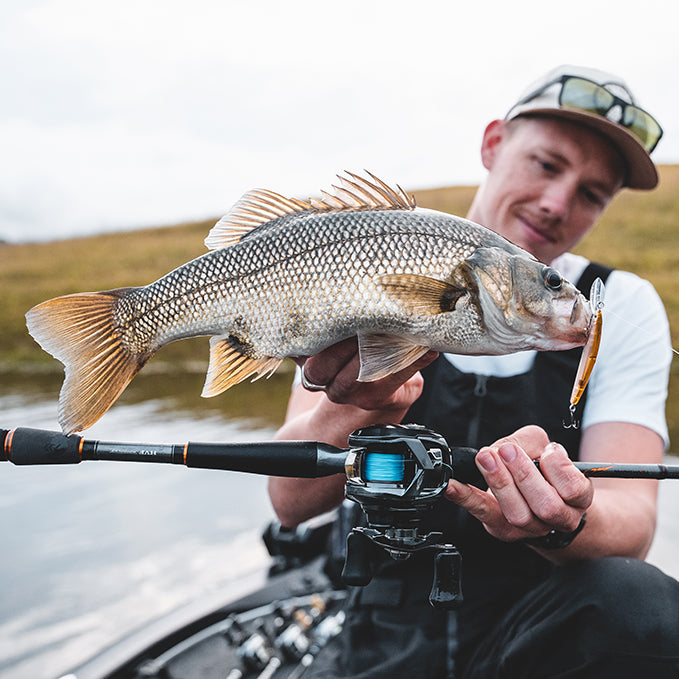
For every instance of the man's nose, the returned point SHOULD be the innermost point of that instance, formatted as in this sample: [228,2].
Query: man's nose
[556,198]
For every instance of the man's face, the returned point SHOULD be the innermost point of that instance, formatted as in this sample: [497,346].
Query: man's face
[548,182]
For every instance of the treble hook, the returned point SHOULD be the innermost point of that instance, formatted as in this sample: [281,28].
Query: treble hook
[573,423]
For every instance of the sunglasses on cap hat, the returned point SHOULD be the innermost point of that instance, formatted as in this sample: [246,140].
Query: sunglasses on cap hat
[586,95]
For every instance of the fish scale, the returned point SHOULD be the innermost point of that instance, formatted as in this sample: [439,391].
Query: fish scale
[288,278]
[252,270]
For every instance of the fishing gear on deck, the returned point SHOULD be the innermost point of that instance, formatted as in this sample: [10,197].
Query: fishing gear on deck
[270,638]
[396,473]
[248,644]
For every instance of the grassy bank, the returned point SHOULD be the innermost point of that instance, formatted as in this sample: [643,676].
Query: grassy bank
[638,233]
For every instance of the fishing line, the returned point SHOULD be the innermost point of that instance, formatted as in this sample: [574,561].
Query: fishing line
[384,467]
[634,325]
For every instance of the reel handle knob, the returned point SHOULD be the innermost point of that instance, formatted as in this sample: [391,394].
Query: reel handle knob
[358,570]
[446,589]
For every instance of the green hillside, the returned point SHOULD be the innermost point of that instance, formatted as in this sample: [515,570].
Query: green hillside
[638,233]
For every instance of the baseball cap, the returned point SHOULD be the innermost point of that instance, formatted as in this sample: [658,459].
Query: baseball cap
[601,101]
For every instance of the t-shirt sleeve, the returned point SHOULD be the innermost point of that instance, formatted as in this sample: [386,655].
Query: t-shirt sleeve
[630,378]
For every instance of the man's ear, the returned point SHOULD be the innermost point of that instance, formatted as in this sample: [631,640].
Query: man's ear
[492,139]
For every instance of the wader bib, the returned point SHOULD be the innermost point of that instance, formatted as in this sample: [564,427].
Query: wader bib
[391,627]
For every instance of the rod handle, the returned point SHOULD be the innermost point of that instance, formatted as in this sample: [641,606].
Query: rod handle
[38,446]
[3,436]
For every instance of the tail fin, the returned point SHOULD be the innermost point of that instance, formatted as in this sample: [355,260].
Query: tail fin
[79,330]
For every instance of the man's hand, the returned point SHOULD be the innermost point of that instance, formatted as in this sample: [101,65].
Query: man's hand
[522,501]
[343,406]
[336,370]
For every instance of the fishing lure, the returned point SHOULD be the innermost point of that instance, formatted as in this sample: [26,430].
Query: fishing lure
[589,351]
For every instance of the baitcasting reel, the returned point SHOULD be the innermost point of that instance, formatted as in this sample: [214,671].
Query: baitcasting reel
[396,474]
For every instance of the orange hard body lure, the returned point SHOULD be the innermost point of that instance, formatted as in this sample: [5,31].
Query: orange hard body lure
[591,348]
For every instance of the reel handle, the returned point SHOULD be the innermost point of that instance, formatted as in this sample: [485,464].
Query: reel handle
[358,564]
[446,588]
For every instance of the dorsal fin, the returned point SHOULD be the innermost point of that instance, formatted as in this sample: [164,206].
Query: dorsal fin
[260,206]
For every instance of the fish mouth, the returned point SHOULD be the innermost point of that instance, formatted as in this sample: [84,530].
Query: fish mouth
[570,325]
[582,315]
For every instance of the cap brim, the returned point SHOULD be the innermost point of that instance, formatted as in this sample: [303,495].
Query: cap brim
[641,172]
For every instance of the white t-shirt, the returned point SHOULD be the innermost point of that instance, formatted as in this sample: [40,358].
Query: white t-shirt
[629,380]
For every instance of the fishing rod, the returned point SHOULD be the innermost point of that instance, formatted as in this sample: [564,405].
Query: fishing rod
[304,459]
[396,473]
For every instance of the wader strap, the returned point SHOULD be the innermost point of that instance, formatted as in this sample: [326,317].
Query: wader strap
[593,271]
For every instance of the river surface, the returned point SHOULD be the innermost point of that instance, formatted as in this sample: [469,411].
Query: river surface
[90,552]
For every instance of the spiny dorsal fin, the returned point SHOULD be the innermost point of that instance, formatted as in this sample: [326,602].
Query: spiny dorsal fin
[260,206]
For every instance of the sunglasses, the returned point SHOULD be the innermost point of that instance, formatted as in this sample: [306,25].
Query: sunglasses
[586,95]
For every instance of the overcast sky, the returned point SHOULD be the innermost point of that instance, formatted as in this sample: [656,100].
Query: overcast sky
[125,113]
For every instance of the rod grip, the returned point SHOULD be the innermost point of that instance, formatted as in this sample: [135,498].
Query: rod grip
[3,436]
[25,446]
[463,461]
[306,459]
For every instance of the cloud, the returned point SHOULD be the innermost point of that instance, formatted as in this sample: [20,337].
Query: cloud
[130,113]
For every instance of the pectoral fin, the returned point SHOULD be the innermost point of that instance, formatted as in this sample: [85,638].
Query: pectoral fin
[383,354]
[229,365]
[421,293]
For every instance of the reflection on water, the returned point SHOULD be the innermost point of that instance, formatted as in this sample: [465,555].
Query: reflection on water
[94,550]
[262,401]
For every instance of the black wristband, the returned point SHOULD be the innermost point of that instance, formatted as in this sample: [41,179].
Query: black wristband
[555,539]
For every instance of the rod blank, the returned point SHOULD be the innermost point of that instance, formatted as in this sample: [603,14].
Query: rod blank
[304,459]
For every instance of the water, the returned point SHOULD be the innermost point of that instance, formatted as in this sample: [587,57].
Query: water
[92,551]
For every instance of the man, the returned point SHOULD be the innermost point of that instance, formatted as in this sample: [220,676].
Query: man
[546,590]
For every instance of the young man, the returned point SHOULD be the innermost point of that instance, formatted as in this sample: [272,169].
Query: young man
[546,590]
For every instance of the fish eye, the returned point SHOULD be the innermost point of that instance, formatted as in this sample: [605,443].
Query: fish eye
[552,278]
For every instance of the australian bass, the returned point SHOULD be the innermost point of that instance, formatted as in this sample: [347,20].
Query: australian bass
[288,277]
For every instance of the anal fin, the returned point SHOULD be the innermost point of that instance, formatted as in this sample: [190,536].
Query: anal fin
[382,354]
[229,365]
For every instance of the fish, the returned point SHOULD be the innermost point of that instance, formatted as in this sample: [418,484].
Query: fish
[287,277]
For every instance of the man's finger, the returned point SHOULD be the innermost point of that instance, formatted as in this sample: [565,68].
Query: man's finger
[573,486]
[386,392]
[509,472]
[324,367]
[483,506]
[531,439]
[476,501]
